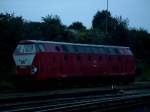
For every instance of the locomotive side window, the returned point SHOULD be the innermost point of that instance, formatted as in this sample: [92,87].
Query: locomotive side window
[65,49]
[107,51]
[101,50]
[39,47]
[80,49]
[86,49]
[75,49]
[113,51]
[70,49]
[116,51]
[128,51]
[93,50]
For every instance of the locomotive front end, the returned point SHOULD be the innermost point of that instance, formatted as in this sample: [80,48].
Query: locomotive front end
[24,55]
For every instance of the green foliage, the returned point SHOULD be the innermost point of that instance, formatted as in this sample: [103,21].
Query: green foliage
[77,26]
[139,41]
[10,28]
[52,27]
[32,30]
[50,19]
[10,33]
[99,20]
[143,71]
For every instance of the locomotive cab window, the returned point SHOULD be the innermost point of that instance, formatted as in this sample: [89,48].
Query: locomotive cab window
[25,48]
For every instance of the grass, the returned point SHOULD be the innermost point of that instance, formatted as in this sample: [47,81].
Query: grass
[6,85]
[143,71]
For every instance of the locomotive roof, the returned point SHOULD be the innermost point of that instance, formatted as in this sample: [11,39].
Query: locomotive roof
[67,43]
[51,46]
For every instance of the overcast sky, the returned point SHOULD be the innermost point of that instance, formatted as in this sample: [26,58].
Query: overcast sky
[137,11]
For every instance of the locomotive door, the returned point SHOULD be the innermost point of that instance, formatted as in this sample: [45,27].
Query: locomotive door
[66,65]
[94,66]
[55,65]
[36,64]
[91,65]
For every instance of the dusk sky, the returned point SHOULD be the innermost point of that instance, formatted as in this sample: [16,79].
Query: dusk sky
[137,11]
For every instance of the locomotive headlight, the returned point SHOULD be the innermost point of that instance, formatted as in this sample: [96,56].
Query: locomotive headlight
[33,70]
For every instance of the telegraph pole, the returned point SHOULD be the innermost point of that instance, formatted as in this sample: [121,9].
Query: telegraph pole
[107,18]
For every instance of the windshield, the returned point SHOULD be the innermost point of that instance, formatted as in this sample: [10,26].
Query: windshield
[25,48]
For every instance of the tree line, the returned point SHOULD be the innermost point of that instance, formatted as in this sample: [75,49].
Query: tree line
[15,28]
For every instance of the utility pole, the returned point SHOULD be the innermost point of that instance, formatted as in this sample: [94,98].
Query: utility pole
[107,18]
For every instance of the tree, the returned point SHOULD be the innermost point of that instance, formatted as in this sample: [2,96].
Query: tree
[10,28]
[117,27]
[35,28]
[10,33]
[99,20]
[52,27]
[139,41]
[77,26]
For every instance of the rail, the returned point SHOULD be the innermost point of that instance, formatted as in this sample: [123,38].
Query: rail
[76,100]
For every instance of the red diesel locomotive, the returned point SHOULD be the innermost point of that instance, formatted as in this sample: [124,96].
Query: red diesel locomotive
[60,60]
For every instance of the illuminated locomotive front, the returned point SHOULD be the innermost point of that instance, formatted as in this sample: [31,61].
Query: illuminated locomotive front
[24,56]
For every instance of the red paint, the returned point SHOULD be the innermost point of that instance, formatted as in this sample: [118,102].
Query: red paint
[59,64]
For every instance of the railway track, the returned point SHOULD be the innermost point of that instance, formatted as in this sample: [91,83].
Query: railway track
[76,100]
[78,103]
[91,102]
